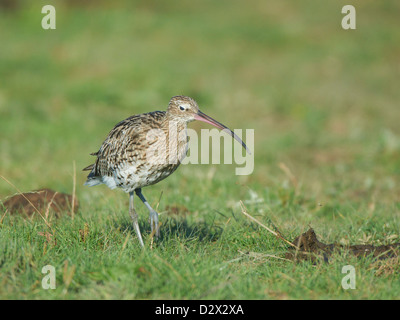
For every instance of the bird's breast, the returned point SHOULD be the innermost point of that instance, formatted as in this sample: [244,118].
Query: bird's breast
[161,153]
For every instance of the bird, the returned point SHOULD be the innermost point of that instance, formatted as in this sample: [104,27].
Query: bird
[146,148]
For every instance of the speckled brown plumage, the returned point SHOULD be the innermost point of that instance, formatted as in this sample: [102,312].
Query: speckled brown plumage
[145,149]
[125,155]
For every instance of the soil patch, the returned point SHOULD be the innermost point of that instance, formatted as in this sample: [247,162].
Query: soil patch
[310,248]
[44,200]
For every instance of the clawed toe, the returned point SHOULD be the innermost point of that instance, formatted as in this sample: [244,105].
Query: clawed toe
[154,223]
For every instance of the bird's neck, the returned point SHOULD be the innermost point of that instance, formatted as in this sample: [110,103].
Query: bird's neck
[172,123]
[177,138]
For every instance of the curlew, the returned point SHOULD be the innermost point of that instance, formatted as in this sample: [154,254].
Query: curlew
[145,149]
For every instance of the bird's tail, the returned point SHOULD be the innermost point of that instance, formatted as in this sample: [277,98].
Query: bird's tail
[89,168]
[92,179]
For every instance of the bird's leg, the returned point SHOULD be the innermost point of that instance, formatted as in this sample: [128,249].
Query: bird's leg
[134,217]
[153,213]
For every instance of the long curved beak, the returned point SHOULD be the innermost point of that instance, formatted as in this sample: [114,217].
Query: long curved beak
[205,118]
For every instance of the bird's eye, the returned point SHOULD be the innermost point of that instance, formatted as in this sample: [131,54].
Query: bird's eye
[182,108]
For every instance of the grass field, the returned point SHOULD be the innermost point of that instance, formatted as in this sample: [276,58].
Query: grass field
[324,104]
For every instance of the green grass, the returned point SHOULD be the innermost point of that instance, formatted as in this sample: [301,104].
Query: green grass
[321,100]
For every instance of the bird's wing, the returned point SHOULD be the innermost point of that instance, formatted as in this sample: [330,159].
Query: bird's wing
[125,143]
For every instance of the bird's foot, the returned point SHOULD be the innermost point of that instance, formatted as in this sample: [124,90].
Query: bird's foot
[154,223]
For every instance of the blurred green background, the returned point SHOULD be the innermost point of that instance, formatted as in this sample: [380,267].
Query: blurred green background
[323,101]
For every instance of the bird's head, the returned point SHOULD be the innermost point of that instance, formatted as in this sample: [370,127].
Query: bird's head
[186,109]
[183,108]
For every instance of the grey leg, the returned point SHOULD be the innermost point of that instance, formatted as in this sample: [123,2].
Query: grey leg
[134,217]
[153,213]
